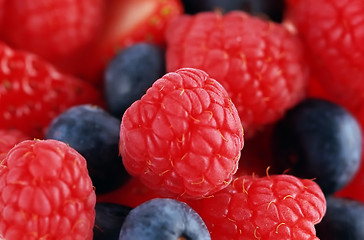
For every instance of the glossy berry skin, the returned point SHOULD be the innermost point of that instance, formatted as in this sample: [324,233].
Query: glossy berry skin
[260,63]
[109,219]
[33,92]
[344,219]
[330,30]
[184,136]
[8,139]
[94,133]
[46,192]
[130,74]
[55,30]
[274,207]
[163,218]
[319,139]
[272,9]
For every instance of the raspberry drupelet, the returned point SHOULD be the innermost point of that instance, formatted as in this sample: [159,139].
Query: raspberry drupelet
[273,207]
[46,193]
[260,63]
[184,136]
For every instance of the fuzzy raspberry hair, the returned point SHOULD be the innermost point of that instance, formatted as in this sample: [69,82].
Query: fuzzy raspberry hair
[268,208]
[45,193]
[184,136]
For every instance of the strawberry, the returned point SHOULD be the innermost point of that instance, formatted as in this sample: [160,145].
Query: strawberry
[33,92]
[128,22]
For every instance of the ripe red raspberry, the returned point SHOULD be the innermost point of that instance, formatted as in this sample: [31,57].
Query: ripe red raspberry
[33,92]
[46,193]
[8,139]
[332,31]
[55,30]
[184,136]
[269,208]
[260,63]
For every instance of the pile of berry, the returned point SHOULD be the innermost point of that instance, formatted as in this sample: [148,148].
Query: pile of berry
[181,120]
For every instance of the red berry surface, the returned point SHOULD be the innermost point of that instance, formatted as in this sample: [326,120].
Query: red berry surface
[56,30]
[184,136]
[8,139]
[33,92]
[268,208]
[46,193]
[332,31]
[260,63]
[131,194]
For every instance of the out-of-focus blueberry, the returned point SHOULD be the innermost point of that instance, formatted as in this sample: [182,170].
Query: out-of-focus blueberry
[132,71]
[164,218]
[94,133]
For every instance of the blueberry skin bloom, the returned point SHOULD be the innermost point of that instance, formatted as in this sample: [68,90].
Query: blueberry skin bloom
[94,133]
[344,219]
[321,140]
[164,218]
[130,73]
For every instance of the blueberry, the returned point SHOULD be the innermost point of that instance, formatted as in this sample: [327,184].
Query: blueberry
[318,139]
[272,9]
[109,219]
[130,73]
[344,219]
[164,218]
[94,133]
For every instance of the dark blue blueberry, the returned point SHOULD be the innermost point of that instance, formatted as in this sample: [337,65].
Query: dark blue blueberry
[318,139]
[271,9]
[163,218]
[344,219]
[94,133]
[130,74]
[109,219]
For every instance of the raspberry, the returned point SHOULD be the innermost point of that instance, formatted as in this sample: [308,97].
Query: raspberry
[260,63]
[332,31]
[55,30]
[33,92]
[8,139]
[267,208]
[46,193]
[184,136]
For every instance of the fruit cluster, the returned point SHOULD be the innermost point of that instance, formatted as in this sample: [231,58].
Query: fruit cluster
[179,119]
